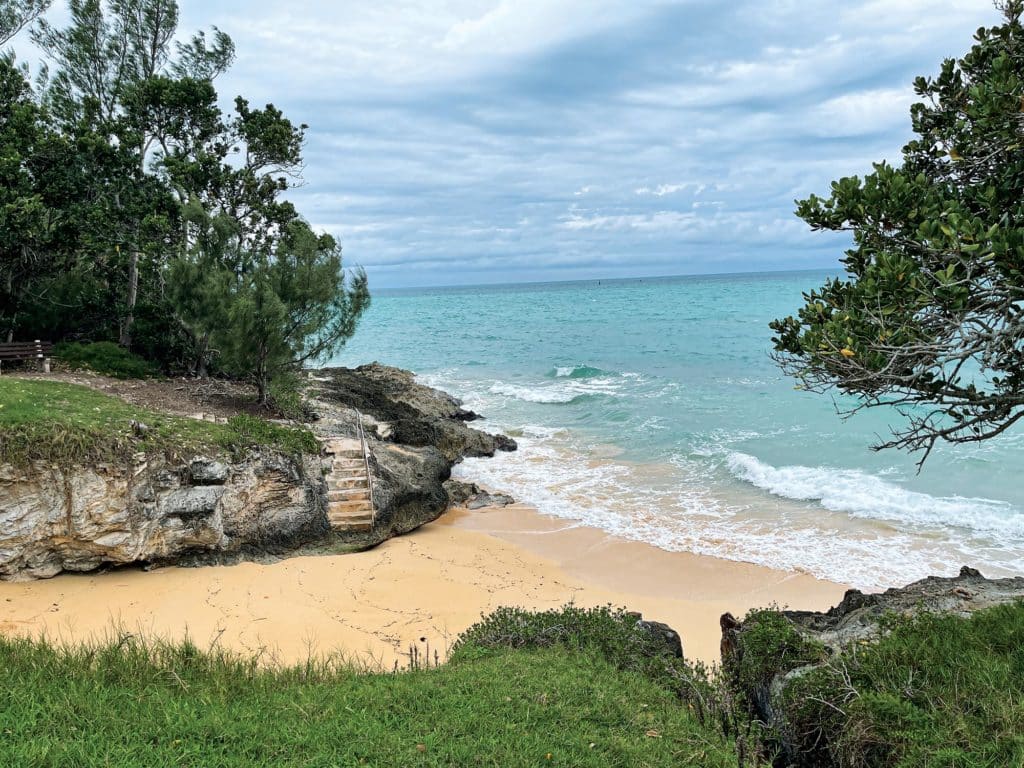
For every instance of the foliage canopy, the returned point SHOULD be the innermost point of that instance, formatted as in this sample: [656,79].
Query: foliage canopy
[134,209]
[930,317]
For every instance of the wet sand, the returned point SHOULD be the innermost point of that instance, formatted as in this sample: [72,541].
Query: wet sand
[424,588]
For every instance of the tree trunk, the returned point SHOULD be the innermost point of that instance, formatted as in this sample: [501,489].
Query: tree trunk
[262,379]
[133,292]
[203,356]
[133,270]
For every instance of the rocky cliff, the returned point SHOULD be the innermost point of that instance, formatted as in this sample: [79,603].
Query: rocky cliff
[215,508]
[55,519]
[414,434]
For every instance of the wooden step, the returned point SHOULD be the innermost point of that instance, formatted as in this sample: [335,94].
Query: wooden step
[344,507]
[364,517]
[346,521]
[355,453]
[348,463]
[354,528]
[352,471]
[341,445]
[341,483]
[348,494]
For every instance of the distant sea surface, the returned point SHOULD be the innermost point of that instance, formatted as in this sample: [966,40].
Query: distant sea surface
[650,408]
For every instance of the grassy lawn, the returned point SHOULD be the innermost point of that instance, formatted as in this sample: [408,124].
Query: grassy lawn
[70,424]
[177,707]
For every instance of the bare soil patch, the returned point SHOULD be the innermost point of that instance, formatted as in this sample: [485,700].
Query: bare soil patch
[176,396]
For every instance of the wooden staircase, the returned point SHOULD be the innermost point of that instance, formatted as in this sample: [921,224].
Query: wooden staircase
[349,492]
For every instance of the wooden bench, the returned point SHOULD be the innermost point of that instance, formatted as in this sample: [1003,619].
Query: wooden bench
[27,350]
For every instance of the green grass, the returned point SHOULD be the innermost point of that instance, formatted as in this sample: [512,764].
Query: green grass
[69,424]
[175,706]
[935,690]
[940,691]
[106,358]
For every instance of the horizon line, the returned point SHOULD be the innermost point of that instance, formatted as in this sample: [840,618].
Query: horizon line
[609,279]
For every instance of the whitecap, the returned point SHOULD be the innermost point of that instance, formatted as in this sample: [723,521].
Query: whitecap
[864,495]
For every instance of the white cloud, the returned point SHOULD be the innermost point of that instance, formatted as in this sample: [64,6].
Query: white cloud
[666,189]
[869,111]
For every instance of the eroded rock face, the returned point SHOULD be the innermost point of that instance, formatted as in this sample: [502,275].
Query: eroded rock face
[80,519]
[414,436]
[856,618]
[209,509]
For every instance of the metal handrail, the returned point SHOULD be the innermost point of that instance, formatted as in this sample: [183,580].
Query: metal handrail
[366,463]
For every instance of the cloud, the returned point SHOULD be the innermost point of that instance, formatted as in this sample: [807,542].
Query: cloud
[668,189]
[457,141]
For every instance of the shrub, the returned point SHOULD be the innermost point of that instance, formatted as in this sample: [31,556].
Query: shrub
[106,358]
[612,633]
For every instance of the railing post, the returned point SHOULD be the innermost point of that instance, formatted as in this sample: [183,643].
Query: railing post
[366,463]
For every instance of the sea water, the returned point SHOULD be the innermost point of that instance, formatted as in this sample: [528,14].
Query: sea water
[651,408]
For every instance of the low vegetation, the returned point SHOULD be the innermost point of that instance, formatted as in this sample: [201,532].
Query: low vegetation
[129,704]
[70,424]
[566,687]
[936,690]
[106,358]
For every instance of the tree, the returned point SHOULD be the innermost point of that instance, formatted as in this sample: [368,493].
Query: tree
[290,307]
[65,213]
[15,15]
[24,225]
[109,51]
[930,317]
[253,281]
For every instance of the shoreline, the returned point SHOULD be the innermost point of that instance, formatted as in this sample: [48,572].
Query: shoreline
[422,588]
[687,591]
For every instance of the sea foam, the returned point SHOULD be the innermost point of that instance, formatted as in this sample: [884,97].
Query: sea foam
[864,495]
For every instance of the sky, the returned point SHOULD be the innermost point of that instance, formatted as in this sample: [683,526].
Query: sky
[481,141]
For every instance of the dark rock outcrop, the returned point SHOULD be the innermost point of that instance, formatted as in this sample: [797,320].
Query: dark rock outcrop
[856,618]
[485,500]
[665,635]
[472,496]
[414,436]
[408,413]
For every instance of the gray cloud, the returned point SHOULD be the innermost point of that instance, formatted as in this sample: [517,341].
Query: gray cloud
[465,141]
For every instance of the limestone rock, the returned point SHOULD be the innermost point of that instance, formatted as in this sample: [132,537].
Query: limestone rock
[82,518]
[459,492]
[206,471]
[484,500]
[664,633]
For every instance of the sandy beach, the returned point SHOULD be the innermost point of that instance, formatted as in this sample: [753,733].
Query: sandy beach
[423,588]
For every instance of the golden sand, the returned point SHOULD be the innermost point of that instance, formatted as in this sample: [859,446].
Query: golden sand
[417,589]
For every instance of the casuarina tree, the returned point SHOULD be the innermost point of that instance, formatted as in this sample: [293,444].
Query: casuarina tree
[929,318]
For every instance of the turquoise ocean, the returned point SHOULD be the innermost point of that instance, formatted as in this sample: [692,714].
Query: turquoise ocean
[650,408]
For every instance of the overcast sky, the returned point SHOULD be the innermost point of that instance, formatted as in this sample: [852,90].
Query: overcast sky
[473,141]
